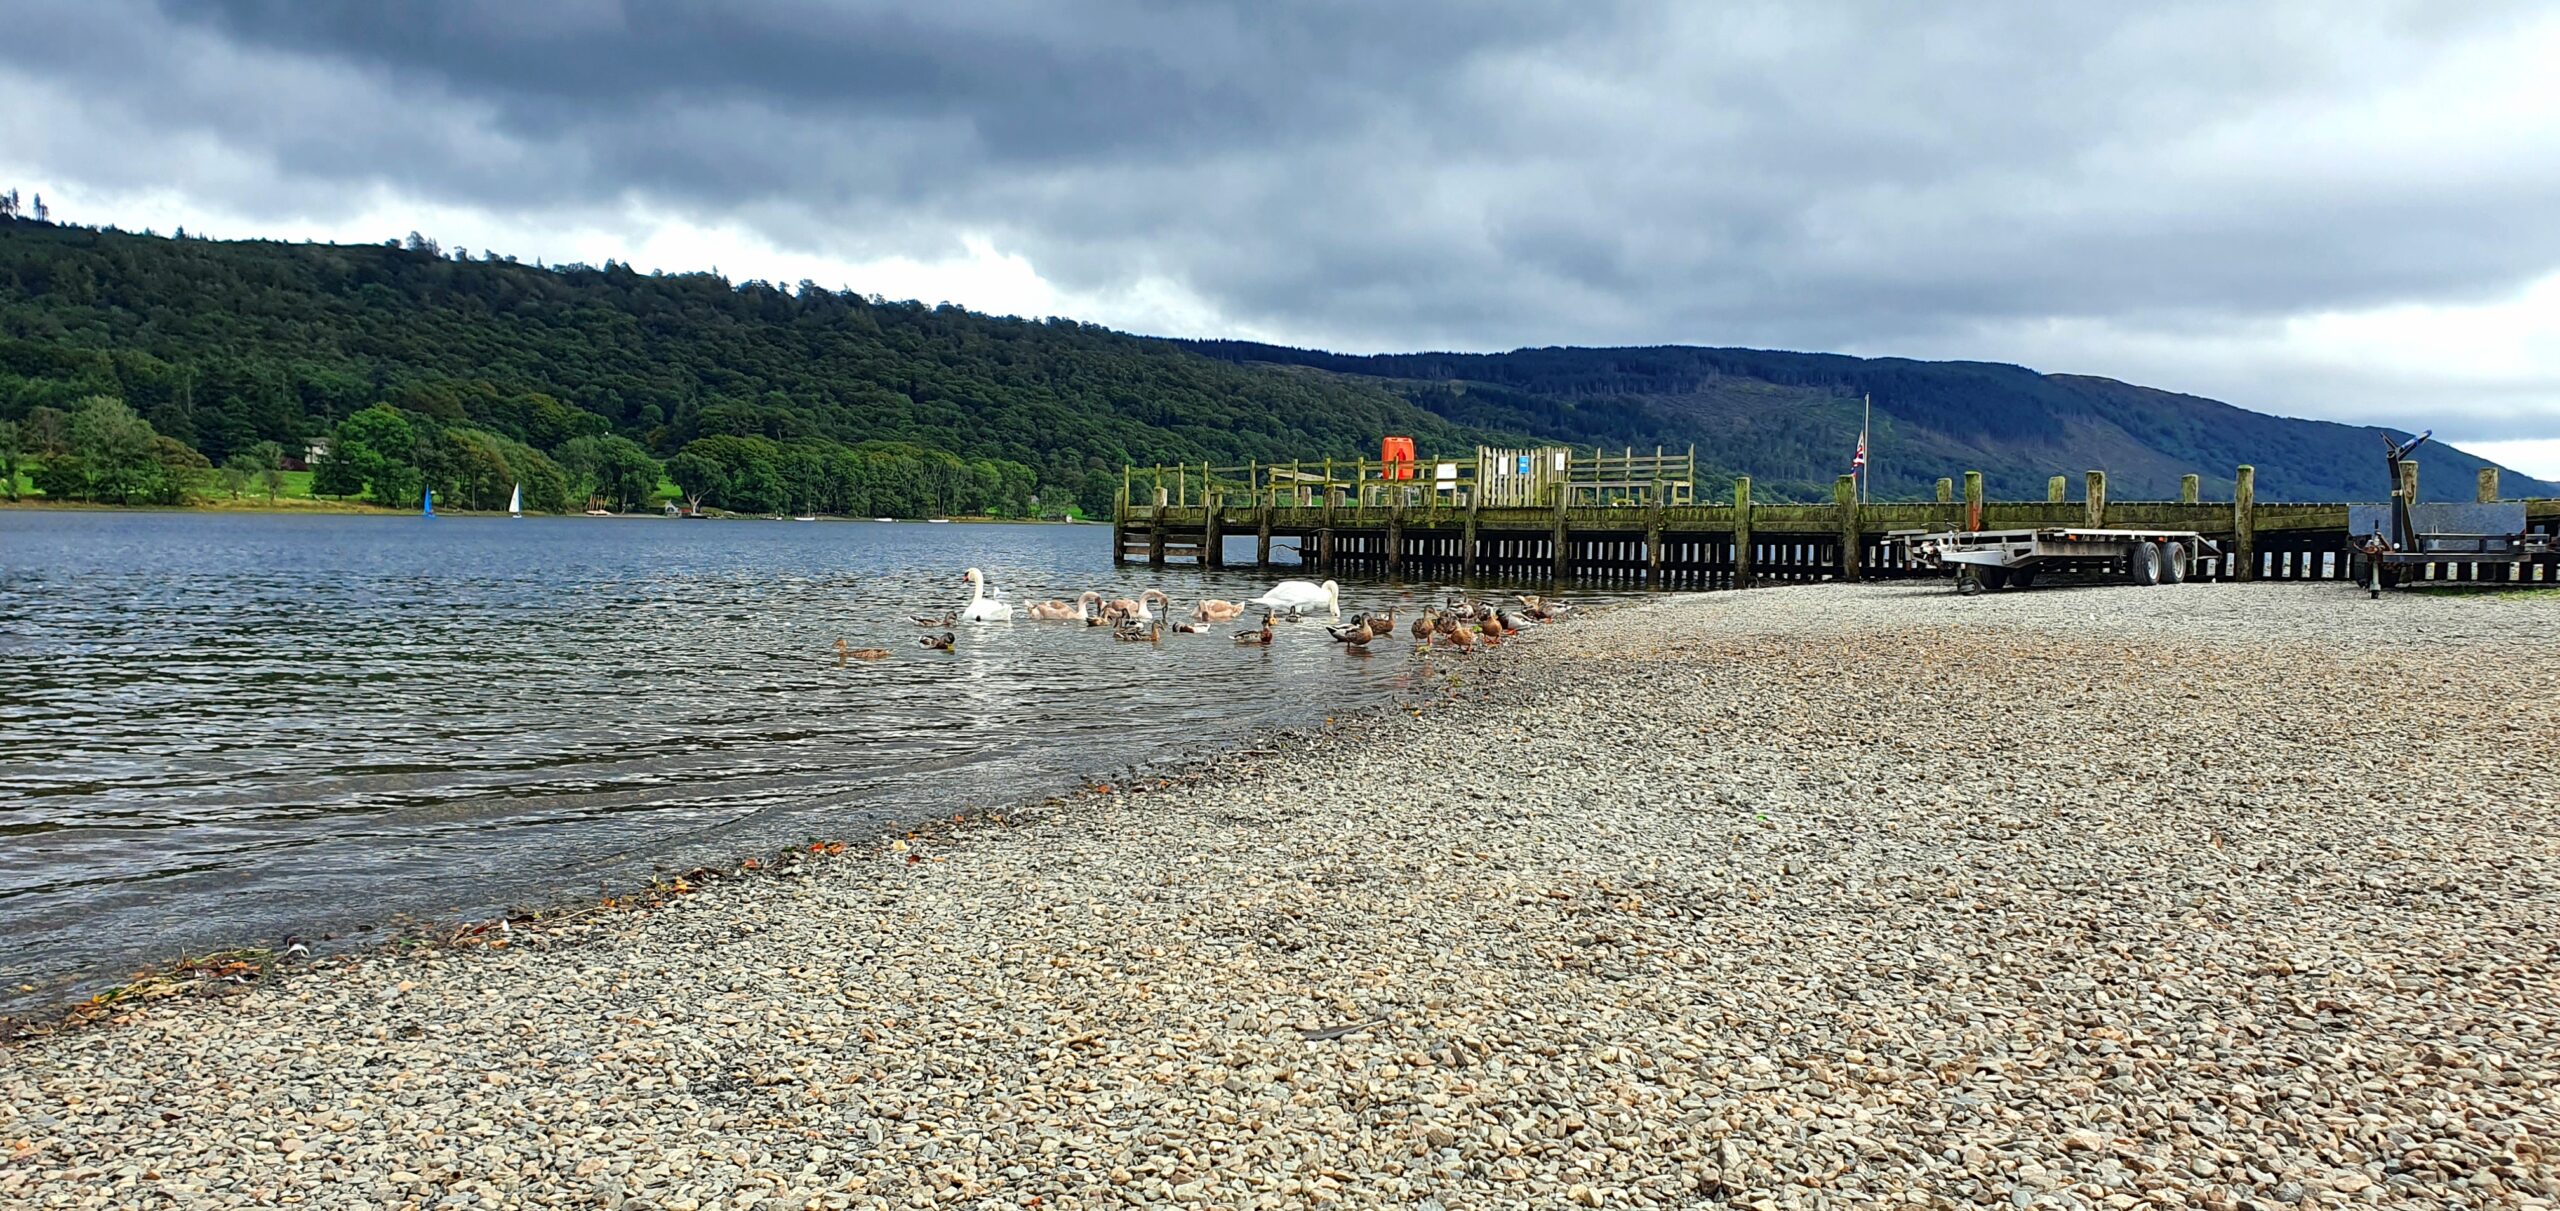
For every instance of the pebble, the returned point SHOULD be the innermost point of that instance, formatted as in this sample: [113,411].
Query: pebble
[1826,896]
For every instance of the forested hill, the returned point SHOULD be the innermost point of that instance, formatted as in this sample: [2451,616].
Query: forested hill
[131,363]
[224,344]
[1790,420]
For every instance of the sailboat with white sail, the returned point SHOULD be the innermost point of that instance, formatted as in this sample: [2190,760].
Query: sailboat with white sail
[515,502]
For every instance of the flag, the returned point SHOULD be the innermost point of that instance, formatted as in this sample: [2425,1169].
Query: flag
[1858,461]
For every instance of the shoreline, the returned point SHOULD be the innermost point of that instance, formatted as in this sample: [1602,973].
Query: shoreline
[1715,897]
[355,508]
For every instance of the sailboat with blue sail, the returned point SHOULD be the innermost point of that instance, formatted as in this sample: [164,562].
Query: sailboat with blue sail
[427,503]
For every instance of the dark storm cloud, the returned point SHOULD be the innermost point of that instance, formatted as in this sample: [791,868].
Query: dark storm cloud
[1397,175]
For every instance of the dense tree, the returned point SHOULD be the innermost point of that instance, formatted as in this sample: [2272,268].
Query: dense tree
[11,455]
[380,448]
[609,468]
[699,476]
[112,450]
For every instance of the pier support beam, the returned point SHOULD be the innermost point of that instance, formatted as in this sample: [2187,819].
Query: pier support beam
[1563,545]
[1262,532]
[2244,523]
[2190,489]
[1120,522]
[1653,542]
[1973,500]
[1467,541]
[1212,541]
[2488,486]
[1155,533]
[1742,532]
[2057,489]
[1395,531]
[2097,499]
[1844,493]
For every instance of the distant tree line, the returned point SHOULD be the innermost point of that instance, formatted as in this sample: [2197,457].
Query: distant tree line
[804,397]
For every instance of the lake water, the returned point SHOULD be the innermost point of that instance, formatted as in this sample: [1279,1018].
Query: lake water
[215,729]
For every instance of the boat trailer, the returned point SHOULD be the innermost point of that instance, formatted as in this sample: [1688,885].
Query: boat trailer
[2396,541]
[2013,559]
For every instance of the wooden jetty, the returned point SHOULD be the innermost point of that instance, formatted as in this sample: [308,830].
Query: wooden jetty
[1558,514]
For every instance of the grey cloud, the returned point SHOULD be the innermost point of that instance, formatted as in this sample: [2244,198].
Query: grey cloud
[1406,175]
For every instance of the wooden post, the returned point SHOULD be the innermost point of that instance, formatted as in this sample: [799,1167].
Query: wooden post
[1844,495]
[2190,489]
[1742,531]
[2097,499]
[1467,538]
[2057,489]
[1946,490]
[2488,486]
[1262,534]
[1120,521]
[1155,533]
[1395,532]
[1211,537]
[2244,523]
[1973,500]
[1181,484]
[2409,480]
[1653,530]
[1563,538]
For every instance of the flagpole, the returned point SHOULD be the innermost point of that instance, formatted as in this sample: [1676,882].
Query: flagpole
[1866,438]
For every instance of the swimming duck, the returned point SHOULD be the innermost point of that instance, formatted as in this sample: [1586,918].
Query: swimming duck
[845,653]
[1259,637]
[938,643]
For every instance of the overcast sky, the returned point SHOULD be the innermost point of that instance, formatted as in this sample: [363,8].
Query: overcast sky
[2334,209]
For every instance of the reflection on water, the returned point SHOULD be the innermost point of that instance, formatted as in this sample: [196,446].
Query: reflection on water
[217,728]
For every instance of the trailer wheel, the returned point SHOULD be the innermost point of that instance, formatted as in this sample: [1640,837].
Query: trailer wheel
[2142,563]
[2173,563]
[2021,578]
[1991,578]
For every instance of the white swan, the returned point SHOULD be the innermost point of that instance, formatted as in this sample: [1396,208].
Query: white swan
[981,608]
[1300,596]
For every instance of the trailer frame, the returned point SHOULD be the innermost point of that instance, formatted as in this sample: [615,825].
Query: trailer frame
[1994,559]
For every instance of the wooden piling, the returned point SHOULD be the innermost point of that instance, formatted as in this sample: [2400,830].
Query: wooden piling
[1844,495]
[1562,547]
[1946,490]
[1742,570]
[1155,533]
[2097,499]
[2244,523]
[1211,540]
[1395,531]
[2488,494]
[1262,533]
[2057,489]
[1973,500]
[1653,535]
[1467,540]
[1120,522]
[2190,489]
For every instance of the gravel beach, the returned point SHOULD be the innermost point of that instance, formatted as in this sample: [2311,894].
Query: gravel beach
[2213,896]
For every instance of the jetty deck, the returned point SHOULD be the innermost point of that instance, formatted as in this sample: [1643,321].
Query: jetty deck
[1634,518]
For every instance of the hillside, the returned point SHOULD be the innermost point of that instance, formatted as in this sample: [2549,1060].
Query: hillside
[223,344]
[1790,420]
[583,382]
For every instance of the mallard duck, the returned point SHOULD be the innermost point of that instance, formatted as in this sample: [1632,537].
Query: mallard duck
[938,643]
[845,653]
[1191,628]
[1425,623]
[1259,637]
[944,619]
[1356,634]
[1131,630]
